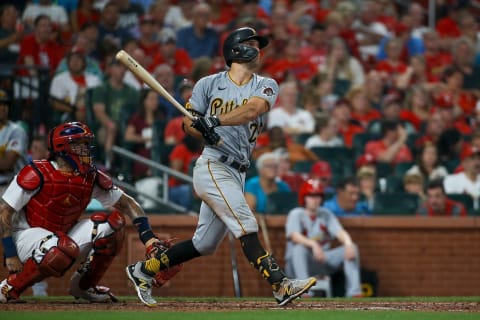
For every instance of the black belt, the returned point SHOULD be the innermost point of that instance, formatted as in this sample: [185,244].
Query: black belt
[234,164]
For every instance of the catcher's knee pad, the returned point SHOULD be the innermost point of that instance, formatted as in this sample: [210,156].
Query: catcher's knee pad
[57,258]
[108,233]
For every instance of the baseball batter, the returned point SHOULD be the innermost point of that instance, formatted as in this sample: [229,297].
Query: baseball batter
[229,109]
[42,233]
[310,230]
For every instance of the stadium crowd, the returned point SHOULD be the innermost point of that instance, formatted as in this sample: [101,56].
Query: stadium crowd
[373,100]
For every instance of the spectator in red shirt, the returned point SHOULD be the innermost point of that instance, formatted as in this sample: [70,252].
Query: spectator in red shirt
[38,50]
[146,40]
[315,51]
[392,146]
[436,59]
[181,159]
[348,127]
[362,110]
[170,54]
[392,66]
[84,13]
[286,174]
[174,132]
[438,204]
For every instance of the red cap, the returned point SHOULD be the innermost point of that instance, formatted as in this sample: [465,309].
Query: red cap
[469,151]
[321,169]
[365,160]
[400,28]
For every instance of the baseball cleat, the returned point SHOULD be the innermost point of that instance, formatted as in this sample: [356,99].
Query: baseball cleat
[142,283]
[94,294]
[291,289]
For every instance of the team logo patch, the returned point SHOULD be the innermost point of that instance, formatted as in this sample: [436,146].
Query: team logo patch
[267,91]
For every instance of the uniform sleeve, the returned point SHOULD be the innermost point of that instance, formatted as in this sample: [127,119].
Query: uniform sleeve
[17,197]
[18,141]
[333,225]
[267,90]
[197,101]
[107,197]
[294,222]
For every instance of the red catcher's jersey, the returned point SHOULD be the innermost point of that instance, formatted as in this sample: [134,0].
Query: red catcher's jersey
[61,198]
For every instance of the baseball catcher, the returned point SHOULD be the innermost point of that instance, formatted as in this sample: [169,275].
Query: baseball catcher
[40,226]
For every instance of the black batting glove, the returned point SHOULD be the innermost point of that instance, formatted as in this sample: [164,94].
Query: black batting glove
[206,126]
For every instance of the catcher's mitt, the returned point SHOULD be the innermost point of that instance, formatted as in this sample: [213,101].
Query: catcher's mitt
[154,250]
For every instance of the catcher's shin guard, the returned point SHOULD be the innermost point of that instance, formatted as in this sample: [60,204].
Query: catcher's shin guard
[105,248]
[58,254]
[262,260]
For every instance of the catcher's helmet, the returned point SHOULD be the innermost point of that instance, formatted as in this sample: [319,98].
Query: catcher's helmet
[61,142]
[4,97]
[309,187]
[234,50]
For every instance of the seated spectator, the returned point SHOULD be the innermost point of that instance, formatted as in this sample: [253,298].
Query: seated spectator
[321,171]
[428,164]
[170,54]
[367,182]
[165,75]
[310,231]
[38,49]
[10,35]
[199,39]
[181,158]
[450,145]
[374,89]
[438,204]
[463,54]
[287,114]
[434,127]
[57,14]
[83,14]
[289,66]
[109,30]
[38,148]
[391,110]
[362,110]
[68,89]
[174,132]
[139,131]
[113,103]
[467,181]
[392,146]
[414,184]
[276,139]
[393,66]
[258,188]
[348,127]
[346,201]
[326,129]
[344,70]
[285,172]
[436,58]
[417,107]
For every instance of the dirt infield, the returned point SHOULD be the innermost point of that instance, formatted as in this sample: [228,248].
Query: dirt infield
[220,305]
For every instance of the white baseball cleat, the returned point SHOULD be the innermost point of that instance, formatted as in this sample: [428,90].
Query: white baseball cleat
[290,289]
[142,283]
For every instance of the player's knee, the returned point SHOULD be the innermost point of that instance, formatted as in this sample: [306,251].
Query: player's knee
[60,257]
[205,249]
[108,233]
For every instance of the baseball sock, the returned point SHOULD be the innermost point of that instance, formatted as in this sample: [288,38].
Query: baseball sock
[178,253]
[262,260]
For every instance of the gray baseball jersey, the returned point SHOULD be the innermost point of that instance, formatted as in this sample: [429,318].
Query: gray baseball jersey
[218,94]
[13,138]
[218,184]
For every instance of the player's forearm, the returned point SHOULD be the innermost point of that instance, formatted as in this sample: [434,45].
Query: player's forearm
[6,213]
[187,126]
[299,238]
[344,238]
[241,115]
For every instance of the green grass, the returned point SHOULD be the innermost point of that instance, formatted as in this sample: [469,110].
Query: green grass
[268,313]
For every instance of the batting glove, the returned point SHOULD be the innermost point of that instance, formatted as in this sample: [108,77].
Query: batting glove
[206,126]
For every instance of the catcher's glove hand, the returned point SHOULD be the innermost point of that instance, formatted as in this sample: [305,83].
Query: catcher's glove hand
[155,250]
[206,126]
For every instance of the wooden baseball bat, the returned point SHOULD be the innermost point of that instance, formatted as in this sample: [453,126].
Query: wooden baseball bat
[146,77]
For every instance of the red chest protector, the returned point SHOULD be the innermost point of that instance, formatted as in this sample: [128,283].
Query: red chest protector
[61,199]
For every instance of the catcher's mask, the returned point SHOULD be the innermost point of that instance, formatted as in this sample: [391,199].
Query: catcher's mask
[72,142]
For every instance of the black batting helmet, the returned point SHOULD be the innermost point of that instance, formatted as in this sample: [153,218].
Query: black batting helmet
[234,50]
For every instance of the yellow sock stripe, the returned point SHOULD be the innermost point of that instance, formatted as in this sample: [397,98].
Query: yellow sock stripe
[225,199]
[152,265]
[262,257]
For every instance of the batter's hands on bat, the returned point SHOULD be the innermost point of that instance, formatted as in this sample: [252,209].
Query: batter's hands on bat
[13,264]
[206,126]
